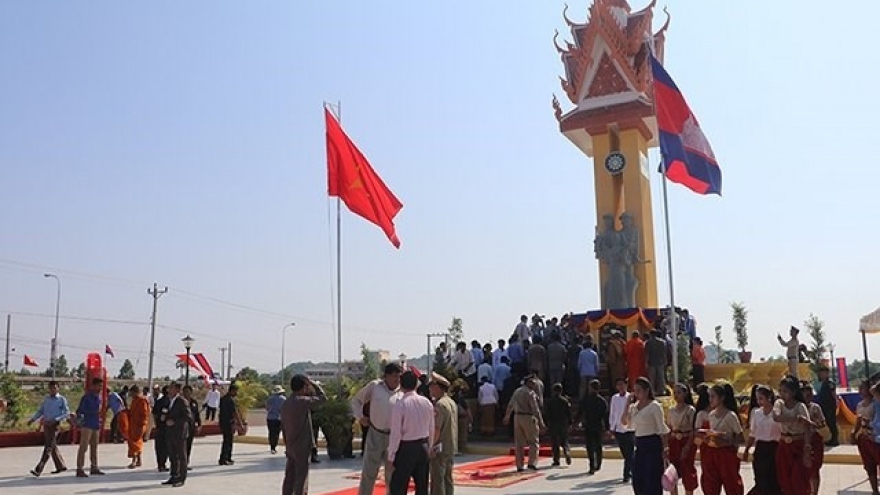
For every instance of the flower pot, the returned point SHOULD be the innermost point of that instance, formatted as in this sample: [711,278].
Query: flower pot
[745,356]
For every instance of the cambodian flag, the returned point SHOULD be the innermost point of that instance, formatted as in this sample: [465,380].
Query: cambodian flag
[687,156]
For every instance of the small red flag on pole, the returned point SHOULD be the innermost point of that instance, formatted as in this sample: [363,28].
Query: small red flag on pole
[29,361]
[351,178]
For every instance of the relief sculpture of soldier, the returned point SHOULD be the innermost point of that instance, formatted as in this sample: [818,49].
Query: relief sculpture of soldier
[610,249]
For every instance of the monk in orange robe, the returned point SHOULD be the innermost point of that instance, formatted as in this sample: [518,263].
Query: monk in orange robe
[138,421]
[636,366]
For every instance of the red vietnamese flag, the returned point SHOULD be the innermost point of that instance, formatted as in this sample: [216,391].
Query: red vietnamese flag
[351,178]
[29,361]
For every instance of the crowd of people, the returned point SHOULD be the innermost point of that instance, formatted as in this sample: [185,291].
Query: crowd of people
[169,414]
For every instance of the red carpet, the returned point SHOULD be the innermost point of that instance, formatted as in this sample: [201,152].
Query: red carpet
[495,472]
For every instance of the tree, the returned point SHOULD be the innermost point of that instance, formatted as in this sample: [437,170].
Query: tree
[371,363]
[126,372]
[816,351]
[61,367]
[855,371]
[248,374]
[15,398]
[79,371]
[740,320]
[683,348]
[718,340]
[455,330]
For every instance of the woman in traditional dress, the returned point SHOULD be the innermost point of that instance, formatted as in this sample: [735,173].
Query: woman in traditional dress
[817,446]
[645,418]
[138,420]
[764,436]
[681,441]
[720,441]
[793,455]
[863,435]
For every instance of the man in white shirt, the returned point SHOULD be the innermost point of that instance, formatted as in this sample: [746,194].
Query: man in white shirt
[488,400]
[624,436]
[792,350]
[380,396]
[498,353]
[522,329]
[484,370]
[212,402]
[412,438]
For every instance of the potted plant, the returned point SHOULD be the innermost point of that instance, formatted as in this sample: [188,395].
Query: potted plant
[740,320]
[335,419]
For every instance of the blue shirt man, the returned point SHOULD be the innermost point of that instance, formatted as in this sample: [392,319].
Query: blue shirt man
[588,362]
[501,373]
[89,411]
[115,403]
[516,353]
[54,408]
[273,406]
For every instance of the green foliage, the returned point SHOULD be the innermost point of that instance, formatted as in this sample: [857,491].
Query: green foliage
[856,371]
[371,363]
[250,395]
[719,341]
[15,398]
[456,330]
[126,372]
[61,367]
[248,374]
[740,320]
[334,415]
[683,348]
[816,352]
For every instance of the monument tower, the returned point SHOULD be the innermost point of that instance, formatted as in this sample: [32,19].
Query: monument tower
[608,79]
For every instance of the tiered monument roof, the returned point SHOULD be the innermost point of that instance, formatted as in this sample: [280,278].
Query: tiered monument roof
[607,71]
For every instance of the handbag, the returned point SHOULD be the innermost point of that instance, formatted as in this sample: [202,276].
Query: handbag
[669,478]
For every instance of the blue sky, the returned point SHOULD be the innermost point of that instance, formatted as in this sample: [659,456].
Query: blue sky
[183,143]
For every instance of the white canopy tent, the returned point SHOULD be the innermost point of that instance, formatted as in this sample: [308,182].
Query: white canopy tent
[870,323]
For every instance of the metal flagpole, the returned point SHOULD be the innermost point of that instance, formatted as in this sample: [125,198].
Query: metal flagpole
[672,312]
[339,270]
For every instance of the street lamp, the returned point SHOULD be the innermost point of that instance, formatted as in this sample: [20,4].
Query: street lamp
[54,347]
[833,366]
[283,364]
[187,343]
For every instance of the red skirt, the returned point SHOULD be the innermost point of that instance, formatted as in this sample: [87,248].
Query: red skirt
[685,466]
[869,451]
[818,454]
[720,466]
[793,475]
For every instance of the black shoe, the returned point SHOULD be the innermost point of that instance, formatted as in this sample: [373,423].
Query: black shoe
[555,464]
[533,467]
[626,479]
[519,470]
[177,484]
[315,460]
[163,469]
[568,459]
[35,473]
[60,470]
[170,481]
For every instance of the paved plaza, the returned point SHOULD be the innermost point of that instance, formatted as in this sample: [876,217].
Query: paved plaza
[258,472]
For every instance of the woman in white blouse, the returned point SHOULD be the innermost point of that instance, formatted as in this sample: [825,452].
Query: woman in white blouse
[645,417]
[718,458]
[764,434]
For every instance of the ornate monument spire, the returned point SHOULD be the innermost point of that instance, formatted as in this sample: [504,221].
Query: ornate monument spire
[607,70]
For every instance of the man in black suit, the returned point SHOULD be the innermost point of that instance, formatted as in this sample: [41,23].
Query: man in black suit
[195,423]
[160,408]
[177,422]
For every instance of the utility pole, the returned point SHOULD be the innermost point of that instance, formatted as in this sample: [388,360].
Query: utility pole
[8,327]
[229,362]
[222,362]
[156,293]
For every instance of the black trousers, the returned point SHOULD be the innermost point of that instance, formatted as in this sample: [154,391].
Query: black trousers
[594,448]
[226,447]
[161,446]
[274,426]
[115,437]
[626,444]
[699,373]
[189,445]
[176,442]
[210,413]
[559,439]
[831,421]
[764,465]
[411,461]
